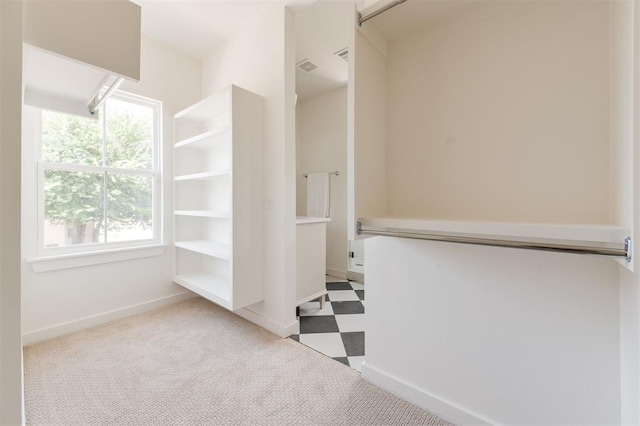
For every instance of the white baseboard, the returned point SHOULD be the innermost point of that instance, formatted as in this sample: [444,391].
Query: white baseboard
[355,276]
[337,273]
[282,330]
[84,323]
[438,406]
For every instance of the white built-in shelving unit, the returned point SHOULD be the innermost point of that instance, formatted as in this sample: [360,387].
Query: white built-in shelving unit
[218,199]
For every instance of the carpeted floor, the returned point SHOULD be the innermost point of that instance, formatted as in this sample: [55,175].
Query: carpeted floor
[196,364]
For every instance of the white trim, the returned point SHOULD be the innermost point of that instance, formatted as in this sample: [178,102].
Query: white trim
[336,273]
[356,276]
[282,330]
[98,169]
[77,260]
[439,406]
[91,321]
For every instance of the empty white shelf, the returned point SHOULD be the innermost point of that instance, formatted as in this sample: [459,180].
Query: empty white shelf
[206,247]
[204,175]
[211,287]
[203,213]
[218,187]
[205,140]
[215,106]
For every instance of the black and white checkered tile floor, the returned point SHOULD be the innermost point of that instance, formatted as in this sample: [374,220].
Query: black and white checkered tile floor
[336,331]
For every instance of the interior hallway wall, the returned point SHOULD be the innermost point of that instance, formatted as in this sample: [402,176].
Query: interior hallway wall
[260,57]
[65,300]
[321,145]
[10,118]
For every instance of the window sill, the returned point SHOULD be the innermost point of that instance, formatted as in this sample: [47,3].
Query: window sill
[77,260]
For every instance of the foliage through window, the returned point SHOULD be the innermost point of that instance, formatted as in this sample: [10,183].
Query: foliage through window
[100,178]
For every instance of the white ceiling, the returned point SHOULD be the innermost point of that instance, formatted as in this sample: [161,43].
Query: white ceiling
[196,27]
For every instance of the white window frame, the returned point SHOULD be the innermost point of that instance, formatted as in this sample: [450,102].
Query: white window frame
[45,253]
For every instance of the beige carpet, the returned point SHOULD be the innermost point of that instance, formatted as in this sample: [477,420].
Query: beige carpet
[197,364]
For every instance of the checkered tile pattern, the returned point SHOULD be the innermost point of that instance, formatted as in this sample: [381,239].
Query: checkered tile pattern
[336,331]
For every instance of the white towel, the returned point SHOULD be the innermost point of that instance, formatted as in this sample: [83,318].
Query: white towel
[318,194]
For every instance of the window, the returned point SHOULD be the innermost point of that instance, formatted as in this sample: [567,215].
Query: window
[99,180]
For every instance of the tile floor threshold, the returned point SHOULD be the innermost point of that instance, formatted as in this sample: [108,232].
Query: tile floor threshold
[337,330]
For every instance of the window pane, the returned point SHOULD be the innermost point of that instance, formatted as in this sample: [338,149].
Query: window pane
[71,139]
[129,135]
[129,208]
[73,208]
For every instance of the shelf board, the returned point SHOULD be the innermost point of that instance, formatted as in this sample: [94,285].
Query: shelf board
[207,247]
[203,213]
[205,140]
[207,285]
[212,174]
[212,106]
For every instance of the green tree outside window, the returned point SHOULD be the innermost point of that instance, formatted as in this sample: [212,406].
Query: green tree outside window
[108,204]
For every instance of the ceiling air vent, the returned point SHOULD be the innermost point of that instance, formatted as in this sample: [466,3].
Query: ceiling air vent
[343,53]
[306,65]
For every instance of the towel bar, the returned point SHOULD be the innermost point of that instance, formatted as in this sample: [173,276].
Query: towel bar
[337,173]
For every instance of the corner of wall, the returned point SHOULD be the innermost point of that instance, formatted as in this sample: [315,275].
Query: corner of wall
[11,90]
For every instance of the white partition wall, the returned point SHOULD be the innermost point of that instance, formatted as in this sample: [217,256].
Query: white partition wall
[624,189]
[507,120]
[261,58]
[494,335]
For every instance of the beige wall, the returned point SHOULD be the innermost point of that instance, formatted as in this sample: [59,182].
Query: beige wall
[260,57]
[321,146]
[504,118]
[367,114]
[10,116]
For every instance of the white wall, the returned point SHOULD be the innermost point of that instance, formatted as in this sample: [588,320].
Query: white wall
[629,346]
[321,145]
[624,194]
[10,112]
[624,199]
[260,57]
[66,300]
[502,118]
[519,337]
